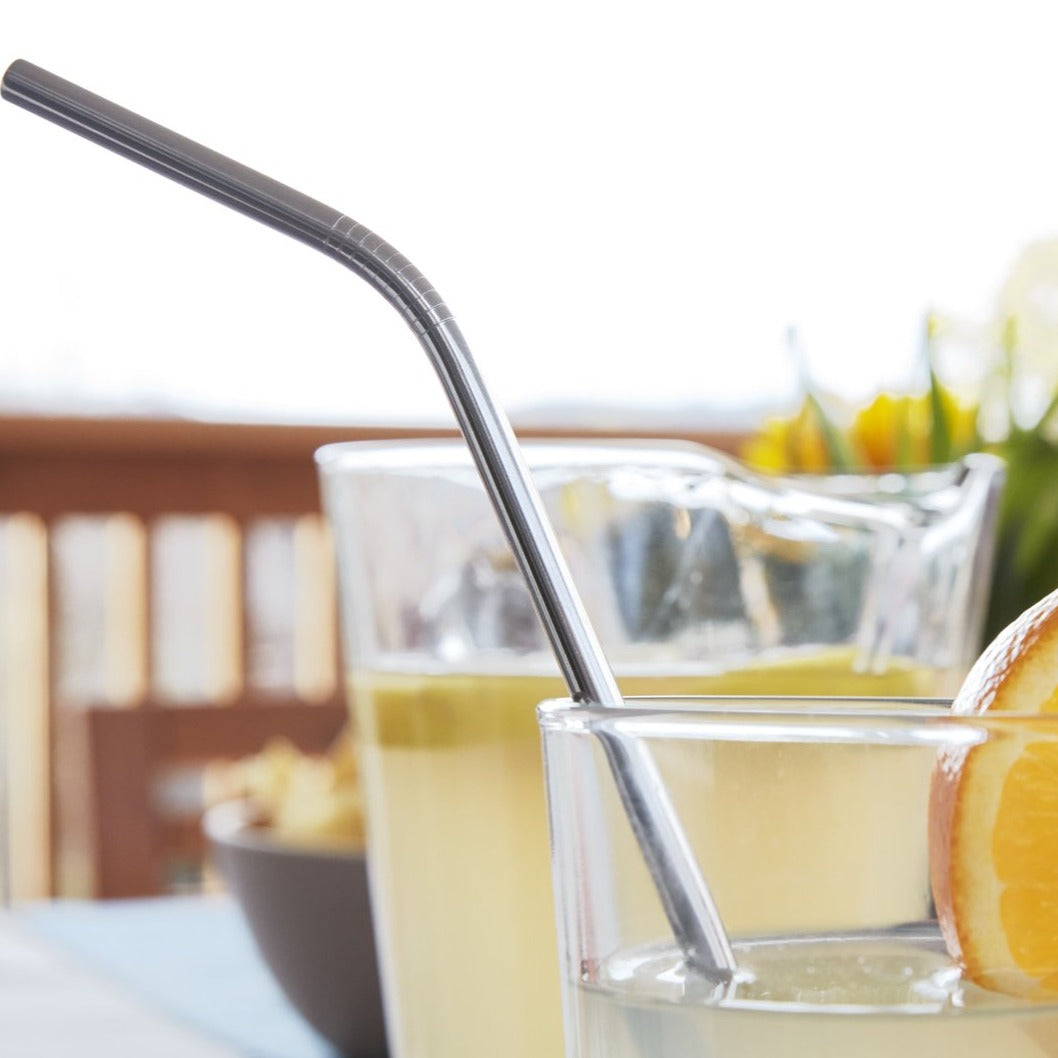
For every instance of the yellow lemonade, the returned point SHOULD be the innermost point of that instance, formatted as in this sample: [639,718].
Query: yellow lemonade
[852,997]
[458,841]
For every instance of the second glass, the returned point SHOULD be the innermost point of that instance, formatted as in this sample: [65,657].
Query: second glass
[699,579]
[823,826]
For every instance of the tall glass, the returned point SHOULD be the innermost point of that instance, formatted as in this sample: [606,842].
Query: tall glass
[811,822]
[699,579]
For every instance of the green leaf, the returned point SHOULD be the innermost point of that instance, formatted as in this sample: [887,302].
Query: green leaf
[1026,562]
[1049,411]
[902,447]
[940,447]
[839,451]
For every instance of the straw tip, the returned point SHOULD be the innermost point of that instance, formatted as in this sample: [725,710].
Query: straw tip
[14,71]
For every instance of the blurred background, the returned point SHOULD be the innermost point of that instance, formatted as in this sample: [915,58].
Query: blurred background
[627,207]
[679,218]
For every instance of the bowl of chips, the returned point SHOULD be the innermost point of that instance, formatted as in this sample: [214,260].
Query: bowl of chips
[286,835]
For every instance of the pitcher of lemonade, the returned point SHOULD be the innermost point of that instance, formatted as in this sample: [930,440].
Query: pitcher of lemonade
[700,578]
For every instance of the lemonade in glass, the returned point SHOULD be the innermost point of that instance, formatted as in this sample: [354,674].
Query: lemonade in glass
[848,807]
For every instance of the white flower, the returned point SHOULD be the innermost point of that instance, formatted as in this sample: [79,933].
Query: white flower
[1028,299]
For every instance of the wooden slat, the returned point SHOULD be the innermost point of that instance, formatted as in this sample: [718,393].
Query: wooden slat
[126,612]
[316,650]
[25,754]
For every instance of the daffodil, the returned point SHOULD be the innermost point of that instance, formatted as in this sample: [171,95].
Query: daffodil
[904,431]
[892,431]
[1010,361]
[784,445]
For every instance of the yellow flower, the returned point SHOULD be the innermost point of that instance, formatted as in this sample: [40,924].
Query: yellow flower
[785,445]
[893,431]
[766,449]
[962,423]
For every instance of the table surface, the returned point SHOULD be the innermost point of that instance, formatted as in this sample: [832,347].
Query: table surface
[176,977]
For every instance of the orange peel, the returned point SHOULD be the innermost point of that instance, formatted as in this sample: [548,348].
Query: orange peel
[994,816]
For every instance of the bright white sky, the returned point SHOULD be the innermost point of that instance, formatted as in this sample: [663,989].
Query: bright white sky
[624,203]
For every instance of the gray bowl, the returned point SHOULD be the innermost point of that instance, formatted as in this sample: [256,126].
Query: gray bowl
[310,916]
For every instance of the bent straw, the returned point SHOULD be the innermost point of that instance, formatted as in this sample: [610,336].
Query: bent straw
[684,893]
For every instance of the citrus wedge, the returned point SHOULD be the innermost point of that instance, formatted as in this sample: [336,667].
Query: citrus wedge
[994,816]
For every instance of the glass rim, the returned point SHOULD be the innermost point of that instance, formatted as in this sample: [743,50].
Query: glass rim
[452,450]
[789,718]
[814,707]
[418,453]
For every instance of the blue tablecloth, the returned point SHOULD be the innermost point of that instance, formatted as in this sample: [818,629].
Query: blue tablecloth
[191,958]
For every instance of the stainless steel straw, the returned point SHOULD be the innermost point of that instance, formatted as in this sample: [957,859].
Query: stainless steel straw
[684,894]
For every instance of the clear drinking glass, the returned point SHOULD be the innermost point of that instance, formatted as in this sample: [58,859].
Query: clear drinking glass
[699,579]
[810,820]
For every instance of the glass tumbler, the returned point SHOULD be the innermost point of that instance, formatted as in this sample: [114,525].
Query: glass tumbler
[820,830]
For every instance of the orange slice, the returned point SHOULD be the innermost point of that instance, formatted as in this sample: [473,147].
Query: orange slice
[994,817]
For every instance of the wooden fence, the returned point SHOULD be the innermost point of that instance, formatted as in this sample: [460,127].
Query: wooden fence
[168,598]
